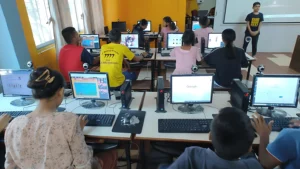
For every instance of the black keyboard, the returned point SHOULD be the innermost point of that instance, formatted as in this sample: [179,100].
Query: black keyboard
[279,123]
[104,120]
[165,54]
[149,55]
[184,125]
[14,114]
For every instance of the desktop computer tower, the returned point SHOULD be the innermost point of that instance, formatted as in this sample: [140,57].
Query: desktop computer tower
[106,31]
[160,100]
[202,45]
[147,46]
[159,28]
[126,96]
[239,95]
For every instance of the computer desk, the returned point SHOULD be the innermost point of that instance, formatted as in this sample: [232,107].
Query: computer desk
[72,105]
[203,65]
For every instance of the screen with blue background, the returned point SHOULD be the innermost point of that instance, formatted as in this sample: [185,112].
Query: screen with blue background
[196,25]
[90,41]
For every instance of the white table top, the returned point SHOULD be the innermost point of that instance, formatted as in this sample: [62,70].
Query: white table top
[72,105]
[150,128]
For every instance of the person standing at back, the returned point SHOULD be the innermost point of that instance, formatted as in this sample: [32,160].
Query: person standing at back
[228,60]
[139,29]
[186,55]
[254,22]
[72,56]
[169,27]
[203,32]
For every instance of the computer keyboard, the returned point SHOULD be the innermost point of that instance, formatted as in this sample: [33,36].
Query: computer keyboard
[104,120]
[279,123]
[165,54]
[149,55]
[14,114]
[184,125]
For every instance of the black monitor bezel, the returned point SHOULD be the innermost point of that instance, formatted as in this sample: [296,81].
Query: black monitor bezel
[91,34]
[138,22]
[132,34]
[208,39]
[191,75]
[71,84]
[168,39]
[119,28]
[14,70]
[272,76]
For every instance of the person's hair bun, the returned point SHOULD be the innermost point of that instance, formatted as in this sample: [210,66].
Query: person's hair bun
[38,78]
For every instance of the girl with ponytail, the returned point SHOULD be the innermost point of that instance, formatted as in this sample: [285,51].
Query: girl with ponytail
[203,32]
[228,60]
[169,27]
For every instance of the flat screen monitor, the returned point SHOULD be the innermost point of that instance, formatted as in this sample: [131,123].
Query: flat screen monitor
[14,82]
[90,41]
[275,91]
[91,86]
[174,40]
[119,25]
[149,26]
[196,25]
[130,40]
[215,40]
[191,89]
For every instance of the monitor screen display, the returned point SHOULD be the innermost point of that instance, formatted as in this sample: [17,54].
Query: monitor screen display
[174,40]
[90,85]
[14,82]
[130,40]
[119,25]
[148,29]
[90,41]
[191,89]
[215,40]
[275,91]
[196,25]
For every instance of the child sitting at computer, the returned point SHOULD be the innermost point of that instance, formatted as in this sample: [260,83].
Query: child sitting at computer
[186,55]
[232,136]
[228,60]
[203,32]
[47,139]
[168,27]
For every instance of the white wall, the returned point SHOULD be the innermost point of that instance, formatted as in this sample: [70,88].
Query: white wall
[207,5]
[274,37]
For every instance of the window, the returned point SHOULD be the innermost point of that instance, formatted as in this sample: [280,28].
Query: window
[77,14]
[39,15]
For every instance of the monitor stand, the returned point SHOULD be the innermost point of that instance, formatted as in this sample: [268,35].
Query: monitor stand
[271,112]
[93,104]
[190,108]
[22,102]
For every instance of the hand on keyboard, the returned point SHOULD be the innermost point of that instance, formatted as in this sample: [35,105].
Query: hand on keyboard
[83,121]
[4,120]
[260,125]
[295,123]
[144,54]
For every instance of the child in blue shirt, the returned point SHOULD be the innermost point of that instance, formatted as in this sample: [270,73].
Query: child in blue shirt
[284,151]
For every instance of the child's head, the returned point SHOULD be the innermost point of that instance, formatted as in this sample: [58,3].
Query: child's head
[256,6]
[232,133]
[188,37]
[228,36]
[144,23]
[47,84]
[70,35]
[115,36]
[204,21]
[168,22]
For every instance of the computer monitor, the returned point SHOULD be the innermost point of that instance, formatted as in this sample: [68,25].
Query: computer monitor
[14,84]
[149,26]
[130,40]
[90,86]
[215,40]
[119,25]
[196,25]
[274,91]
[191,89]
[175,23]
[90,41]
[174,40]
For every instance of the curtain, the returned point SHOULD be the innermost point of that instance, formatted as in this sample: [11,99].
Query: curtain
[93,18]
[60,18]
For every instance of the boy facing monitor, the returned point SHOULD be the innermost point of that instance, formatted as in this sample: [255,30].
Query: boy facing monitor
[139,29]
[232,136]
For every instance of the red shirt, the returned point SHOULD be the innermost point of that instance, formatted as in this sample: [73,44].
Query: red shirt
[71,58]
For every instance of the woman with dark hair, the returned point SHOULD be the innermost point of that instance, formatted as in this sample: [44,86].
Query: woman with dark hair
[47,139]
[169,27]
[203,32]
[186,55]
[228,60]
